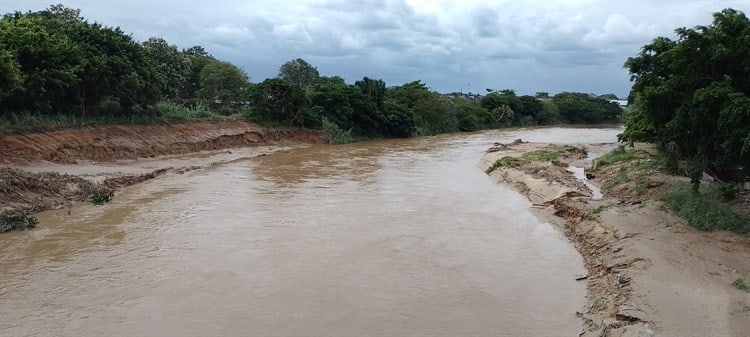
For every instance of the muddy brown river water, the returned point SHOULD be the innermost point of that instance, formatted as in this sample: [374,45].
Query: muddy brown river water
[380,238]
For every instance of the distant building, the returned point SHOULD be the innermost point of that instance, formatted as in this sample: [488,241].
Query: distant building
[621,102]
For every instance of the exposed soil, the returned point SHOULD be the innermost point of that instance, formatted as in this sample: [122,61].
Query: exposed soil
[112,143]
[649,274]
[51,170]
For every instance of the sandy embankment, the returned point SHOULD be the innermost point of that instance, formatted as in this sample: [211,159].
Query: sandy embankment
[51,170]
[649,273]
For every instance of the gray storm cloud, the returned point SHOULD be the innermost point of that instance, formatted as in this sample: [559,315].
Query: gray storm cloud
[469,45]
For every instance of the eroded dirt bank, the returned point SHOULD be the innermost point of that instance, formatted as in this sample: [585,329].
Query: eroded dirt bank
[50,170]
[107,144]
[649,274]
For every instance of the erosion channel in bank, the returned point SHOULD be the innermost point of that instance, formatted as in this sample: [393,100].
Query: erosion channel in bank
[392,237]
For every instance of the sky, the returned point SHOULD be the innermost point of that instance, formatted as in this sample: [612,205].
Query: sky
[467,46]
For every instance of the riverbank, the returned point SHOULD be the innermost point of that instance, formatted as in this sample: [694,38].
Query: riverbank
[51,170]
[649,274]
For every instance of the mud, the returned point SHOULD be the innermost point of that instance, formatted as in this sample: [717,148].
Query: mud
[112,143]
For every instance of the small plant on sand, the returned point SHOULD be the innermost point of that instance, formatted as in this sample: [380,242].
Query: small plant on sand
[599,209]
[617,155]
[506,161]
[741,285]
[101,195]
[16,222]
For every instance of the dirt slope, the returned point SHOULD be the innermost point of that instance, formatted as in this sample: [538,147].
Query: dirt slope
[106,144]
[51,170]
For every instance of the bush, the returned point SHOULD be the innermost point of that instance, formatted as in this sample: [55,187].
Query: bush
[101,195]
[16,222]
[177,113]
[336,135]
[109,106]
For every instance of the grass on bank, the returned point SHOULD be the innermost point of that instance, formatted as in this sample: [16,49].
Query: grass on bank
[336,135]
[163,112]
[550,154]
[632,172]
[619,154]
[705,210]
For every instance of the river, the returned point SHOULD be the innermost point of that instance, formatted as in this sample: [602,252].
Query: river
[377,238]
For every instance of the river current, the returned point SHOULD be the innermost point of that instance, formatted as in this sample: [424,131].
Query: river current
[379,238]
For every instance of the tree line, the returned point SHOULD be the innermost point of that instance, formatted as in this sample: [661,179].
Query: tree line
[692,96]
[55,63]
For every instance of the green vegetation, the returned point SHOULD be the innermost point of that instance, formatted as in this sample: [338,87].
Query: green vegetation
[741,285]
[59,70]
[544,155]
[551,154]
[506,161]
[599,209]
[10,223]
[692,95]
[335,134]
[619,154]
[101,195]
[178,113]
[705,211]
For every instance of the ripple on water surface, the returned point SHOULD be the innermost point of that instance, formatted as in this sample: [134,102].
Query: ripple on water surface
[393,237]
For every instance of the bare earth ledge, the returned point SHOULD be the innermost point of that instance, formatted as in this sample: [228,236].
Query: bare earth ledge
[649,274]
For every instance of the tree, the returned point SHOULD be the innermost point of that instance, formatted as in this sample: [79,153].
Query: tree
[496,99]
[398,120]
[691,95]
[608,97]
[550,114]
[346,106]
[68,65]
[10,74]
[581,108]
[197,51]
[433,113]
[172,67]
[299,72]
[531,107]
[222,84]
[278,101]
[197,58]
[374,89]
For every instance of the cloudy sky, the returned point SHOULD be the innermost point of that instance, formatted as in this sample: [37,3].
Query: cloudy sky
[529,46]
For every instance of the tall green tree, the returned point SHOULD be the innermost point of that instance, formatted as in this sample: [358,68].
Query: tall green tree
[299,72]
[433,113]
[278,101]
[172,67]
[581,108]
[10,74]
[69,65]
[691,94]
[222,84]
[374,89]
[197,58]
